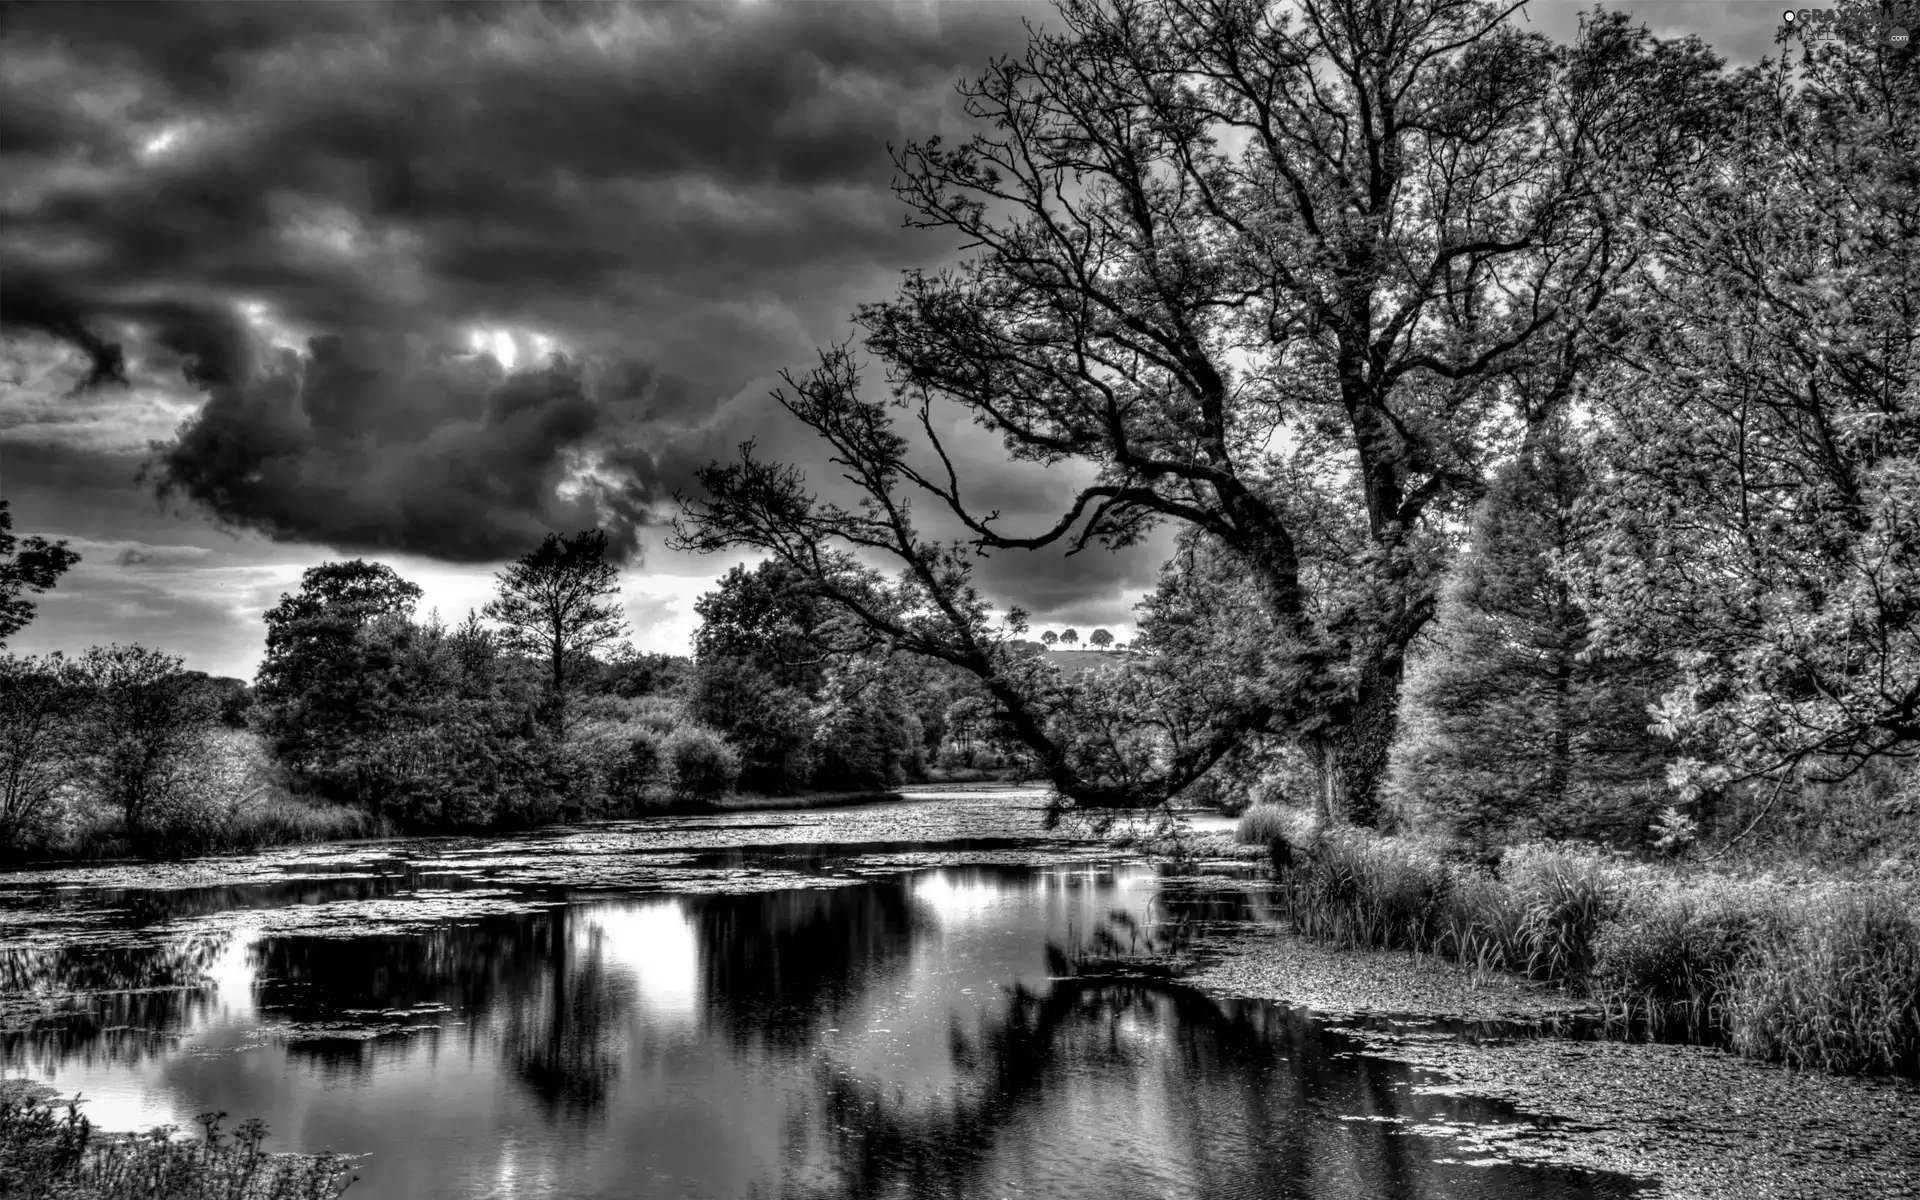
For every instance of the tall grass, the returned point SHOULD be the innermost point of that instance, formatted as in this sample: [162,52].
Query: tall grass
[1821,976]
[1840,991]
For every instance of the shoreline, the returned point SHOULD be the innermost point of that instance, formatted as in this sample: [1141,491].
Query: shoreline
[1698,1123]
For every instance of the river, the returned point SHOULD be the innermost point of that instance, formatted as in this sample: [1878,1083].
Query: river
[933,998]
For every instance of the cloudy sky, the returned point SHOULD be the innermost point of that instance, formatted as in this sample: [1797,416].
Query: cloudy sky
[419,282]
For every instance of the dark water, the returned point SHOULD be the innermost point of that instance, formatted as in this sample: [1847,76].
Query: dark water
[741,1008]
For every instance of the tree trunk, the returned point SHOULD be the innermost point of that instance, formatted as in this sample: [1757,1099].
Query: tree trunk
[1352,757]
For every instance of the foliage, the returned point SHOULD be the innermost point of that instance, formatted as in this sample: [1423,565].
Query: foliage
[615,755]
[420,724]
[1513,728]
[1824,975]
[629,673]
[771,726]
[318,694]
[552,603]
[1317,375]
[1100,639]
[1664,964]
[142,721]
[1758,430]
[53,1153]
[1264,824]
[766,616]
[865,734]
[700,763]
[31,566]
[39,743]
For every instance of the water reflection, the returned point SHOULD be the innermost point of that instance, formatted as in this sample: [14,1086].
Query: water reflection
[776,968]
[101,1004]
[961,1033]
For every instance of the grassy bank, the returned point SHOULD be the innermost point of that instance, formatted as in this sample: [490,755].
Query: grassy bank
[1821,974]
[50,1151]
[276,820]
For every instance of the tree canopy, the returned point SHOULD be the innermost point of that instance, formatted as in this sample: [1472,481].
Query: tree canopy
[1292,277]
[553,604]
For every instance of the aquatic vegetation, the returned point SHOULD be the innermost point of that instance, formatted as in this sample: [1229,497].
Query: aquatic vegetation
[52,1152]
[1824,976]
[1839,990]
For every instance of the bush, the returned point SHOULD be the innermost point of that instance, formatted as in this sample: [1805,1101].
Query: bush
[701,765]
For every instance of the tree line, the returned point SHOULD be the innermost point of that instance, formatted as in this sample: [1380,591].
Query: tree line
[531,710]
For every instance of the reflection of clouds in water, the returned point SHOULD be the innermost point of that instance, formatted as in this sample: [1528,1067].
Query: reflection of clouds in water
[657,943]
[957,898]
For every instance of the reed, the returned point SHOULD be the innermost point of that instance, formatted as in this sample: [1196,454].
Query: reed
[1264,824]
[1821,976]
[1839,991]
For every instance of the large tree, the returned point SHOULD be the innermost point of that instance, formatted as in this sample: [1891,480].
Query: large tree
[33,566]
[319,689]
[1761,519]
[1293,276]
[553,602]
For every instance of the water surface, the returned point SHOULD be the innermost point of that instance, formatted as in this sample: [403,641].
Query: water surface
[930,999]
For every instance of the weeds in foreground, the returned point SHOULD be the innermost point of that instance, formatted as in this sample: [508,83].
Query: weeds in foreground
[1824,976]
[51,1152]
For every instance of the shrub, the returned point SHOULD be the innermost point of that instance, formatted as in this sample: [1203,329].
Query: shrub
[701,764]
[1485,923]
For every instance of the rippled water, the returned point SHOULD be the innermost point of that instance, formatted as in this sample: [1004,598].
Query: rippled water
[929,999]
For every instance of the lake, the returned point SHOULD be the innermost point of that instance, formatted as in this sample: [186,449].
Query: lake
[935,998]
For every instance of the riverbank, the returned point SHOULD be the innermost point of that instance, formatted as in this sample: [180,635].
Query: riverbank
[1703,1122]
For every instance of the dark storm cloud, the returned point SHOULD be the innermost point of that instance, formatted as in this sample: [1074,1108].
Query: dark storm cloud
[699,189]
[377,445]
[30,299]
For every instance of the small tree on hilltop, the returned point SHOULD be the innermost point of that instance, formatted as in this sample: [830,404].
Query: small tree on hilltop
[1071,637]
[552,602]
[1100,639]
[1050,638]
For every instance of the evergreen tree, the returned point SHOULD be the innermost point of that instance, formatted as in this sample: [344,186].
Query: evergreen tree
[1511,727]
